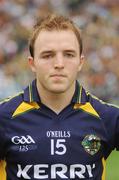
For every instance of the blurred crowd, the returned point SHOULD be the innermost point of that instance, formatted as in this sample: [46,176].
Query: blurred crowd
[99,24]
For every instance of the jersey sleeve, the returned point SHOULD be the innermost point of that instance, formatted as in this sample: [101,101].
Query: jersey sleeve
[2,134]
[2,142]
[111,123]
[109,115]
[117,135]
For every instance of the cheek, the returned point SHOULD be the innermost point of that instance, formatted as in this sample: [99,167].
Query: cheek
[42,70]
[73,72]
[73,67]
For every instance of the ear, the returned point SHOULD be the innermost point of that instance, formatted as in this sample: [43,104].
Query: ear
[31,63]
[81,62]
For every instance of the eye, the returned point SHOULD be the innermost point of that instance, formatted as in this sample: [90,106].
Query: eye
[69,55]
[47,56]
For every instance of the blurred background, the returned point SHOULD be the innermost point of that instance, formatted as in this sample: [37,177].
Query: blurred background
[99,24]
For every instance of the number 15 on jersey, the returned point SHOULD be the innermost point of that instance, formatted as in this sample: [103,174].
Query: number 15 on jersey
[58,146]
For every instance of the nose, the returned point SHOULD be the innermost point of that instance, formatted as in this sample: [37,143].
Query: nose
[59,62]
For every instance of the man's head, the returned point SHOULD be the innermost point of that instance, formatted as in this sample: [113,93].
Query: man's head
[54,22]
[56,54]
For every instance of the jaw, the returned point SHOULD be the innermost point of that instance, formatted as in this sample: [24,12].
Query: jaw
[56,87]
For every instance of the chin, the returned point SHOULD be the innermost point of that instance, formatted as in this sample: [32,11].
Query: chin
[58,90]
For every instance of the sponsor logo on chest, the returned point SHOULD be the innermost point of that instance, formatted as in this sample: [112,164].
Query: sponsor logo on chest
[39,171]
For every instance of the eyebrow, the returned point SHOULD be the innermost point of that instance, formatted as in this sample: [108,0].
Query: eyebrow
[70,51]
[45,52]
[50,51]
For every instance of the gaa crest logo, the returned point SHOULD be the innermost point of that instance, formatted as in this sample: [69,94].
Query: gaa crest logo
[91,144]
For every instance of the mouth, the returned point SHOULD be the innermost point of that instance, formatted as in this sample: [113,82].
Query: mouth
[58,75]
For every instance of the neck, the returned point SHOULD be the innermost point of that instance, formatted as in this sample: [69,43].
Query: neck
[56,101]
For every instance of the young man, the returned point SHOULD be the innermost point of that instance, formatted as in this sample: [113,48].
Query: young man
[55,129]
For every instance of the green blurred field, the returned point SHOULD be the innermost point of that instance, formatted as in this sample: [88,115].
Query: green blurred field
[112,166]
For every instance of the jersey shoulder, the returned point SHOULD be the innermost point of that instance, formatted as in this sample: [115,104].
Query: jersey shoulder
[8,105]
[104,109]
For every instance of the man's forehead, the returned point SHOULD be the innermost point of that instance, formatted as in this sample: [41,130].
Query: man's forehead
[49,39]
[55,34]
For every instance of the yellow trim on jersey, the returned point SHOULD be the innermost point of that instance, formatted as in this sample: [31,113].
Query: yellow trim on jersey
[104,167]
[25,107]
[101,101]
[11,97]
[30,93]
[87,108]
[2,170]
[79,100]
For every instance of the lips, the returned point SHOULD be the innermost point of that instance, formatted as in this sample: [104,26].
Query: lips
[58,75]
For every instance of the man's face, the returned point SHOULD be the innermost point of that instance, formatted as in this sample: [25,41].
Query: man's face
[56,60]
